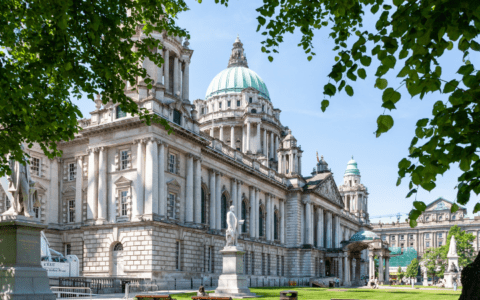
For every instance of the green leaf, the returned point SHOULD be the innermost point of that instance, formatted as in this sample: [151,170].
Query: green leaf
[465,69]
[476,208]
[399,181]
[349,90]
[381,83]
[422,122]
[450,45]
[397,2]
[270,58]
[384,123]
[411,193]
[454,208]
[450,86]
[261,20]
[474,45]
[329,89]
[404,163]
[465,164]
[429,185]
[391,95]
[412,223]
[366,60]
[419,205]
[361,73]
[414,214]
[325,104]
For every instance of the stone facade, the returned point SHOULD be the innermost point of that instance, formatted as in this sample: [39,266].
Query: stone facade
[132,200]
[432,229]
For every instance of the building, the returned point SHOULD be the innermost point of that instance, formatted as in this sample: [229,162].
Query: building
[432,229]
[131,200]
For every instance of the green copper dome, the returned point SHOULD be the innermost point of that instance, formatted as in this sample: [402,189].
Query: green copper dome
[234,80]
[363,236]
[352,168]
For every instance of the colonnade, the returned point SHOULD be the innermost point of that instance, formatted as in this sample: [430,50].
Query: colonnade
[250,142]
[149,185]
[383,269]
[289,162]
[326,224]
[269,221]
[355,202]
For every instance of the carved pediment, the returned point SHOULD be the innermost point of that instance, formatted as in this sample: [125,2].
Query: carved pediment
[328,189]
[123,182]
[69,189]
[41,190]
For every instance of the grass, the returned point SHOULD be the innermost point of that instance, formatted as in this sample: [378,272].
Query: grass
[335,293]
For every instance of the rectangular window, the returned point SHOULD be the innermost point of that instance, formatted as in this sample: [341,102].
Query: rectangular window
[427,235]
[177,117]
[454,217]
[245,262]
[393,238]
[229,103]
[439,234]
[124,159]
[171,205]
[212,259]
[120,113]
[264,264]
[71,211]
[283,265]
[411,244]
[35,166]
[36,210]
[263,107]
[238,103]
[124,203]
[428,244]
[268,265]
[401,245]
[253,262]
[250,100]
[172,163]
[177,255]
[208,259]
[72,171]
[68,249]
[278,265]
[439,244]
[384,238]
[8,204]
[219,104]
[440,218]
[402,237]
[411,236]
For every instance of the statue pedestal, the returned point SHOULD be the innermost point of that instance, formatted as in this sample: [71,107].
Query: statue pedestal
[232,282]
[21,275]
[449,278]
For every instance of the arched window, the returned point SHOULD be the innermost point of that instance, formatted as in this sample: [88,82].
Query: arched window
[254,111]
[275,226]
[118,247]
[224,211]
[244,217]
[260,221]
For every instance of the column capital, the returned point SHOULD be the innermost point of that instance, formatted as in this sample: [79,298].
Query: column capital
[307,201]
[234,180]
[138,141]
[213,171]
[190,155]
[196,157]
[79,157]
[92,150]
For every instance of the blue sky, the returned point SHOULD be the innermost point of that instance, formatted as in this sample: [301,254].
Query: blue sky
[296,86]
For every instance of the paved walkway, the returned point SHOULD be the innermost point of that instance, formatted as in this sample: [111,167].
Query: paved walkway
[122,296]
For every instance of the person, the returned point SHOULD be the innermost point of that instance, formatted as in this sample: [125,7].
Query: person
[454,285]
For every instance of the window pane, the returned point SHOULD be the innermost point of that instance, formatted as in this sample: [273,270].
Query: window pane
[120,113]
[177,117]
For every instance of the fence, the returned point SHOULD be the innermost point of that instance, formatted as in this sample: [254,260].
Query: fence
[71,292]
[98,285]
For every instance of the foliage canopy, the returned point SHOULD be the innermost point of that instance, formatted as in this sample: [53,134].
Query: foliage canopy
[415,34]
[54,51]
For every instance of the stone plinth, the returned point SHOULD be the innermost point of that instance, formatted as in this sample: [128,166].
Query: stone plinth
[449,278]
[21,275]
[232,282]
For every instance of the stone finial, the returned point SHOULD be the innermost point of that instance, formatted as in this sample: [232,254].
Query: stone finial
[237,58]
[98,102]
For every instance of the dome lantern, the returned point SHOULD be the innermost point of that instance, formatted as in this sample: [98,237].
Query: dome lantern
[352,168]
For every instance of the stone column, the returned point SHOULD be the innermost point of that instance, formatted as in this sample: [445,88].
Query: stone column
[357,269]
[258,137]
[247,139]
[234,198]
[387,270]
[138,204]
[276,144]
[244,145]
[279,159]
[166,69]
[232,137]
[282,221]
[198,191]
[267,219]
[320,227]
[78,190]
[189,190]
[380,269]
[308,213]
[253,210]
[175,76]
[213,199]
[158,79]
[239,199]
[284,164]
[218,204]
[102,184]
[346,269]
[186,87]
[151,177]
[371,266]
[92,194]
[221,133]
[257,205]
[265,143]
[162,207]
[272,146]
[329,230]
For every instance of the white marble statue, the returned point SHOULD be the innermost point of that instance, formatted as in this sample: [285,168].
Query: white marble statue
[21,186]
[233,230]
[452,251]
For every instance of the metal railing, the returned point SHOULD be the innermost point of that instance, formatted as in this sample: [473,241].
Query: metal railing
[71,292]
[146,288]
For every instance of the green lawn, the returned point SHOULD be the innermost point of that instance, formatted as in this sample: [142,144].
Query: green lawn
[336,293]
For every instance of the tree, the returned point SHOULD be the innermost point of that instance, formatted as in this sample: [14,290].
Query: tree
[417,34]
[465,249]
[435,261]
[412,269]
[54,51]
[400,274]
